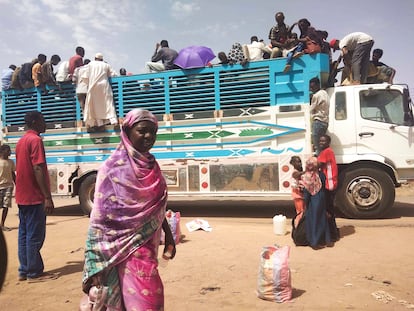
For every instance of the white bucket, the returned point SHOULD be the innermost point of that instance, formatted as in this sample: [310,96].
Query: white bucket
[279,225]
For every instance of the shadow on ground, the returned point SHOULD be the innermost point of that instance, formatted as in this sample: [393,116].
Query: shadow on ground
[68,210]
[71,267]
[263,209]
[240,209]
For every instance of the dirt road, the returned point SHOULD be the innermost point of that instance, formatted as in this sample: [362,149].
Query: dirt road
[370,268]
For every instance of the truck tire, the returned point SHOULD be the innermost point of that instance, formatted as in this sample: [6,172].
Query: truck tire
[86,193]
[365,193]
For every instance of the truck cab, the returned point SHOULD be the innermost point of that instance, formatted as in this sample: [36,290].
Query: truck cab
[372,133]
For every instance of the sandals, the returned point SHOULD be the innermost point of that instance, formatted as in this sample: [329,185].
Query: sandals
[45,276]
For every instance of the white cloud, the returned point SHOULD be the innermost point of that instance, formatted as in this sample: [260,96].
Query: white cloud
[30,9]
[46,36]
[180,9]
[57,4]
[61,18]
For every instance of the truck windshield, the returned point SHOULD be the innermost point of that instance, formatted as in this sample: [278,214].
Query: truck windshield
[382,106]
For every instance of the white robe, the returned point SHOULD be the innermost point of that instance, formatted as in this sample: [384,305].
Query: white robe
[80,77]
[99,104]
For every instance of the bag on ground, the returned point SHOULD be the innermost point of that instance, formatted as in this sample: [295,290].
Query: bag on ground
[173,219]
[299,231]
[274,282]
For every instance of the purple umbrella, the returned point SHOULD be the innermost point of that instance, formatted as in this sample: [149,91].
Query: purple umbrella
[194,57]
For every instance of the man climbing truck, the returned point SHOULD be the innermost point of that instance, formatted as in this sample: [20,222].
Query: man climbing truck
[229,131]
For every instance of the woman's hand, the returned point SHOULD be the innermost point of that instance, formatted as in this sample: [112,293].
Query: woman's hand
[94,280]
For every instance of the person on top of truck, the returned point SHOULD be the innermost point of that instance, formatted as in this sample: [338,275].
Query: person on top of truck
[76,60]
[358,44]
[6,77]
[25,74]
[81,81]
[99,104]
[164,54]
[48,75]
[384,72]
[255,50]
[37,71]
[278,35]
[236,55]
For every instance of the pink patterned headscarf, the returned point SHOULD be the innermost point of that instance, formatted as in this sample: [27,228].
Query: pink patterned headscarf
[137,115]
[129,204]
[310,179]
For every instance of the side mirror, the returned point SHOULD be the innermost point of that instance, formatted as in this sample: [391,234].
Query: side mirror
[408,108]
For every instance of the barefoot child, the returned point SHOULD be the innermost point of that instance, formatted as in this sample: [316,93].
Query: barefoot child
[297,192]
[7,178]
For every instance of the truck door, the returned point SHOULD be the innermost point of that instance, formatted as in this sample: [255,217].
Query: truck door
[342,122]
[381,129]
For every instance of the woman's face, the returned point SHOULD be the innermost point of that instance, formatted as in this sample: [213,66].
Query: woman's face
[142,135]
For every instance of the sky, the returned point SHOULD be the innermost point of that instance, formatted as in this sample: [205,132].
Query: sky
[126,31]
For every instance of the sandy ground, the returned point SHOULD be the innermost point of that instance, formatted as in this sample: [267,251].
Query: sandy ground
[370,268]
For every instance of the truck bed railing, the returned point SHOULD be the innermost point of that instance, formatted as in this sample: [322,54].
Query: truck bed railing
[175,92]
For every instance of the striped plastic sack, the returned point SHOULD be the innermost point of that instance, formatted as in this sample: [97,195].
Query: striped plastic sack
[274,280]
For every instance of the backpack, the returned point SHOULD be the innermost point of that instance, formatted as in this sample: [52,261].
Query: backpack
[299,232]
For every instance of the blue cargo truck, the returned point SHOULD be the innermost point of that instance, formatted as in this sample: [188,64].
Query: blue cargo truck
[230,130]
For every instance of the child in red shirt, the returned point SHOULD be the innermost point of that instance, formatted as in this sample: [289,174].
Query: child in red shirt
[327,164]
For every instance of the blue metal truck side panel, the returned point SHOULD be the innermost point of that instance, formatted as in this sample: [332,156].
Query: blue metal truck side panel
[257,84]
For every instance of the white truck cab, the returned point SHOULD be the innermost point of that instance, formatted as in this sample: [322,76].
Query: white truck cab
[372,131]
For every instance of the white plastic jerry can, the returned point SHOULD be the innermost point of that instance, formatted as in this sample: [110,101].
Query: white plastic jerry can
[279,224]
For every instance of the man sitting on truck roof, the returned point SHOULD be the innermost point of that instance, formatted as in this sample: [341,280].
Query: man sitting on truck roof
[255,50]
[278,35]
[236,55]
[384,72]
[164,54]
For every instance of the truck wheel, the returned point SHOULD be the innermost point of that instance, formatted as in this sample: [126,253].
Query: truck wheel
[365,193]
[86,193]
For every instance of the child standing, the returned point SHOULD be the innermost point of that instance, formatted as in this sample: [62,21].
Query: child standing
[297,189]
[7,179]
[327,164]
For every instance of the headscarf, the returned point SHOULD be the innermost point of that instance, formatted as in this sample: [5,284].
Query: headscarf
[129,206]
[236,54]
[310,179]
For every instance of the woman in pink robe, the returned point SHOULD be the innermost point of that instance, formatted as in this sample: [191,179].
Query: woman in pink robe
[126,222]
